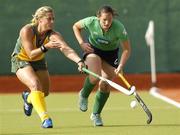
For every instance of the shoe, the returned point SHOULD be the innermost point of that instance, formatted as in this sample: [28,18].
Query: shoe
[27,106]
[83,103]
[96,118]
[47,123]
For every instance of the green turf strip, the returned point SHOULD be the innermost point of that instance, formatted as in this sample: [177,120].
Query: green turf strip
[118,117]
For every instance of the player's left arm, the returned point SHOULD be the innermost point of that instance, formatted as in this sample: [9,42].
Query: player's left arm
[125,45]
[126,51]
[66,49]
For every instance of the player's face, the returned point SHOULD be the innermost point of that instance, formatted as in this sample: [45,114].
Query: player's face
[47,22]
[105,20]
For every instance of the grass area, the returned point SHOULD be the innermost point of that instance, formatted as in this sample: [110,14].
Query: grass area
[118,117]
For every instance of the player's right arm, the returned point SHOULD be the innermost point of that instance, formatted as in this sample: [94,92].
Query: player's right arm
[77,27]
[26,35]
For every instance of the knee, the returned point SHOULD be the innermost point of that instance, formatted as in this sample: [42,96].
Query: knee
[35,85]
[93,80]
[104,86]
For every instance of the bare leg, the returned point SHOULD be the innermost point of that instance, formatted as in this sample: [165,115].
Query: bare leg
[33,81]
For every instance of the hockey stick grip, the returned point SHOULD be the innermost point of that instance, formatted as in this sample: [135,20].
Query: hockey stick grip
[124,80]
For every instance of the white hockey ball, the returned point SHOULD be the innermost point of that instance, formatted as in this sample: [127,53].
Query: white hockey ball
[133,104]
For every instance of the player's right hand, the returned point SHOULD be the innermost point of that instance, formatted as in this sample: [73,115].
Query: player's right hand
[86,47]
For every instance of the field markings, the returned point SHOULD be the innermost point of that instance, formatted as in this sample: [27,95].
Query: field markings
[154,92]
[76,109]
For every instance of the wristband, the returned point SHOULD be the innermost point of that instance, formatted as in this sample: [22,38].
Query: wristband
[81,60]
[43,49]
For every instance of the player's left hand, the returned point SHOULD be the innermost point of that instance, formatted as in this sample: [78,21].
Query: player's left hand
[118,70]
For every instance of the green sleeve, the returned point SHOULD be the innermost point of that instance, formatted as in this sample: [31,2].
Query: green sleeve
[86,22]
[123,35]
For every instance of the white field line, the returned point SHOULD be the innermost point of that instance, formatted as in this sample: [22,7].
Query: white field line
[154,92]
[76,109]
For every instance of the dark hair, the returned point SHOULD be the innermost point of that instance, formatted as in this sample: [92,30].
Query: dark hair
[106,9]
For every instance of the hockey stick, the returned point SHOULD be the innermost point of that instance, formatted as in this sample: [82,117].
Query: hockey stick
[111,83]
[138,98]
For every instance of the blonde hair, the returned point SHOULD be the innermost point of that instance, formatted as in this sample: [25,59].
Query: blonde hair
[40,12]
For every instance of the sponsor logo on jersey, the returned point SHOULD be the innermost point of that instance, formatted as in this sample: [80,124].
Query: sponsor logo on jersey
[95,33]
[102,41]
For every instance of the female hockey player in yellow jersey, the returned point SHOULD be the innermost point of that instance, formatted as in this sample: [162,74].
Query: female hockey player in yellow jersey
[29,65]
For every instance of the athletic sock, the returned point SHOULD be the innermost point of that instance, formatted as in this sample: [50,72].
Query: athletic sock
[87,88]
[100,100]
[36,98]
